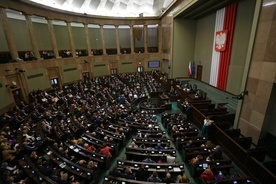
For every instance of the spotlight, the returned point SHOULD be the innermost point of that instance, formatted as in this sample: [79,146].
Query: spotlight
[241,95]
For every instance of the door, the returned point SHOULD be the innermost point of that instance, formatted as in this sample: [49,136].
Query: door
[199,72]
[17,95]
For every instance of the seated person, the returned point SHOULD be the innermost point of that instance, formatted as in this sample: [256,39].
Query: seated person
[182,179]
[198,94]
[207,174]
[46,170]
[81,162]
[115,172]
[168,179]
[8,154]
[154,177]
[128,174]
[162,160]
[91,165]
[216,154]
[142,174]
[158,146]
[189,144]
[197,159]
[170,158]
[148,160]
[133,145]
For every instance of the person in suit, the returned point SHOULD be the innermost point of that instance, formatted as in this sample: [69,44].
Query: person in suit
[142,174]
[115,172]
[154,177]
[158,146]
[216,154]
[148,160]
[128,174]
[168,178]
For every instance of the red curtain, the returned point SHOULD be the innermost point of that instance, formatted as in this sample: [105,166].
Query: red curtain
[229,25]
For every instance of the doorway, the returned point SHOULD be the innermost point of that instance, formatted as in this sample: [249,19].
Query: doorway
[17,95]
[199,72]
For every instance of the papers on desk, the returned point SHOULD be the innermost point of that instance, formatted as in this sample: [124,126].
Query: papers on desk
[176,169]
[62,165]
[10,168]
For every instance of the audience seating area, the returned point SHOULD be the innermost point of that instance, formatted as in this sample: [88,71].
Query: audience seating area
[75,134]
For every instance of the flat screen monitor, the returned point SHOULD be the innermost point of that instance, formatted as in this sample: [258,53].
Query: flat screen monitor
[205,165]
[154,64]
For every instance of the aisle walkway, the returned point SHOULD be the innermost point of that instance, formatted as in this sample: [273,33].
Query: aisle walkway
[178,154]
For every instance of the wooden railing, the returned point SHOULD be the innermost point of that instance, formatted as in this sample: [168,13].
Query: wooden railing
[248,164]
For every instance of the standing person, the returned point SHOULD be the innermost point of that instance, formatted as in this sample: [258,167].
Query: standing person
[206,124]
[106,151]
[142,174]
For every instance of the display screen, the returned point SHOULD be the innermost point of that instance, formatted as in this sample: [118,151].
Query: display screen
[154,64]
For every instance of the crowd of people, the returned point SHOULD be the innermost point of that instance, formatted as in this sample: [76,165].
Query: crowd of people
[66,116]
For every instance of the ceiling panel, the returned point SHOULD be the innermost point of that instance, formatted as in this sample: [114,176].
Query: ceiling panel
[77,3]
[121,8]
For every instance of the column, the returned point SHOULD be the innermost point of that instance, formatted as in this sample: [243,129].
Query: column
[53,38]
[146,38]
[159,31]
[132,39]
[117,39]
[87,39]
[103,40]
[32,36]
[8,34]
[71,39]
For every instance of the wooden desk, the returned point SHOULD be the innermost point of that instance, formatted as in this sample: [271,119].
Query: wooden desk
[218,165]
[161,169]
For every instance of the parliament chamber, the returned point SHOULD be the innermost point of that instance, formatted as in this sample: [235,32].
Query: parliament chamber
[172,91]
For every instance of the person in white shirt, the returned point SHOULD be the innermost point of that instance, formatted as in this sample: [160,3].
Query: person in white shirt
[206,124]
[170,158]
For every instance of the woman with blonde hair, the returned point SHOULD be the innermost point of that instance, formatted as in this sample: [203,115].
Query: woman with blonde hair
[207,174]
[182,179]
[133,145]
[90,164]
